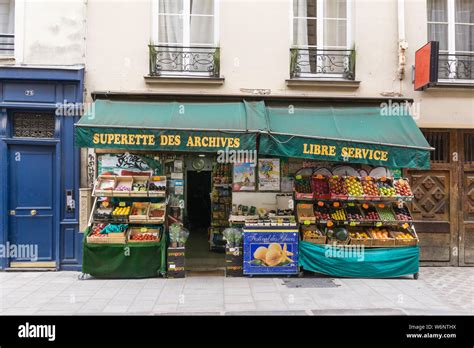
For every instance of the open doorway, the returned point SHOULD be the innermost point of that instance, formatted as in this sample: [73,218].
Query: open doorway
[199,257]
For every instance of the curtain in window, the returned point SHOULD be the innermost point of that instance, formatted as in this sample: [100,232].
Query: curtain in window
[202,22]
[438,31]
[170,20]
[7,16]
[464,15]
[335,24]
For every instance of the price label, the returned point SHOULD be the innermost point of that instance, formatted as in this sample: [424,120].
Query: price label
[352,223]
[350,204]
[298,177]
[336,204]
[307,222]
[122,204]
[143,229]
[320,203]
[405,226]
[330,223]
[378,224]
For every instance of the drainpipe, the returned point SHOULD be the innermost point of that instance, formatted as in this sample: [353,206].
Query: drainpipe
[402,43]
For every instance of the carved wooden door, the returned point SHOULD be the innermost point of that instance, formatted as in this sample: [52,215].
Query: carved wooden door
[466,213]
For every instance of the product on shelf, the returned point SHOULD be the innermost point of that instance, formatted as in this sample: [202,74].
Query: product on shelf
[405,238]
[320,186]
[353,212]
[385,188]
[379,233]
[105,185]
[139,211]
[370,213]
[402,188]
[305,212]
[157,186]
[123,186]
[107,233]
[385,212]
[311,234]
[139,186]
[354,186]
[302,184]
[121,210]
[360,235]
[104,210]
[402,213]
[157,211]
[321,211]
[370,188]
[143,234]
[337,187]
[338,214]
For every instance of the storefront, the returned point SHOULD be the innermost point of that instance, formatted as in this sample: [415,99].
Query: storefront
[39,174]
[324,177]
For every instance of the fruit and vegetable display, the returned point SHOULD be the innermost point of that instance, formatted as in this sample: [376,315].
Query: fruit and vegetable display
[338,214]
[320,186]
[157,211]
[305,212]
[379,233]
[312,234]
[338,234]
[353,212]
[360,235]
[178,235]
[106,184]
[402,213]
[385,188]
[403,235]
[157,184]
[272,255]
[370,213]
[104,210]
[303,184]
[402,188]
[385,213]
[354,186]
[140,186]
[121,210]
[321,211]
[370,187]
[144,237]
[337,186]
[233,236]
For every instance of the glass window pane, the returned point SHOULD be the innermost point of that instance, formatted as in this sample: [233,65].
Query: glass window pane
[464,37]
[464,10]
[170,29]
[304,32]
[335,33]
[205,7]
[170,6]
[304,8]
[202,30]
[437,11]
[335,8]
[439,32]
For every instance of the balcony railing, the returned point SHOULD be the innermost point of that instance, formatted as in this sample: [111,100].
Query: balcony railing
[7,44]
[322,63]
[184,61]
[456,66]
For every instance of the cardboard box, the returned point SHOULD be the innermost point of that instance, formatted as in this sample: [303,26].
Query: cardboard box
[234,259]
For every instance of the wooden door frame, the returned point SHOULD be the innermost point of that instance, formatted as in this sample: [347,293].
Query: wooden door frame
[463,168]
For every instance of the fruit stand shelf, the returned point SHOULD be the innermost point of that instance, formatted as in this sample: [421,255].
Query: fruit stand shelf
[357,199]
[361,223]
[133,195]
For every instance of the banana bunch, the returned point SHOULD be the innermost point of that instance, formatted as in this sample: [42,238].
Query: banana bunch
[121,211]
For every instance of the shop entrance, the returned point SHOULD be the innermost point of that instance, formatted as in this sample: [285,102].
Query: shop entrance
[199,256]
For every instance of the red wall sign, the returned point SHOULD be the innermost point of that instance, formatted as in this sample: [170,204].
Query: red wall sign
[426,66]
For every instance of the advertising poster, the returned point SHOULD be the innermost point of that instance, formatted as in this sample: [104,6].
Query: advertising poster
[244,177]
[271,251]
[269,174]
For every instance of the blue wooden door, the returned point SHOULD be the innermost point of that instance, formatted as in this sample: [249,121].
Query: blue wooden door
[31,202]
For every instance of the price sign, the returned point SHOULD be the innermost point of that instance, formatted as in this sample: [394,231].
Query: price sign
[378,224]
[352,223]
[298,177]
[405,226]
[143,229]
[330,223]
[122,204]
[307,222]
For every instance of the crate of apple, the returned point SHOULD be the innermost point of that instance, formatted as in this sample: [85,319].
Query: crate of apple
[320,186]
[321,211]
[370,213]
[402,213]
[402,188]
[371,190]
[338,188]
[354,187]
[353,213]
[385,188]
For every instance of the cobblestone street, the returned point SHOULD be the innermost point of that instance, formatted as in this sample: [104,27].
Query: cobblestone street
[437,291]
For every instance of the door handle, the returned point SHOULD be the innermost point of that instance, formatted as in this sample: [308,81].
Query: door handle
[33,212]
[12,212]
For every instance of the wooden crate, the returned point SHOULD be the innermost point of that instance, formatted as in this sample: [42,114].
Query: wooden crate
[321,239]
[137,230]
[142,218]
[305,212]
[405,242]
[386,242]
[361,241]
[101,181]
[113,238]
[123,181]
[159,206]
[159,181]
[140,180]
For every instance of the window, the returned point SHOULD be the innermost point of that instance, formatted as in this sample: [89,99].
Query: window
[321,24]
[322,40]
[451,23]
[7,26]
[186,23]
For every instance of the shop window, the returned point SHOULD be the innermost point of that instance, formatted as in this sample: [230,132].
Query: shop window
[440,141]
[7,27]
[469,148]
[33,125]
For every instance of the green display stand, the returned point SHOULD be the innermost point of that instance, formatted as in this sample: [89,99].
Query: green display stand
[368,263]
[131,260]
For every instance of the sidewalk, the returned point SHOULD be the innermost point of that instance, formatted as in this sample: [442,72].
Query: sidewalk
[437,291]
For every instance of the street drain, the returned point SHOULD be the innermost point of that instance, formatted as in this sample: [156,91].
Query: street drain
[309,283]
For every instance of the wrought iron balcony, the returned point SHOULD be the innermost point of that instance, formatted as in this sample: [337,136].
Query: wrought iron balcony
[184,61]
[7,44]
[322,63]
[456,66]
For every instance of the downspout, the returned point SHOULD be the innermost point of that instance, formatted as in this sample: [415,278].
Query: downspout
[402,43]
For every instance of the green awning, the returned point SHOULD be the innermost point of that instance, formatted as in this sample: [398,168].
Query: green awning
[171,126]
[352,134]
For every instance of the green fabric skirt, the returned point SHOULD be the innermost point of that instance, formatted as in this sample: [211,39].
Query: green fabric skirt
[354,262]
